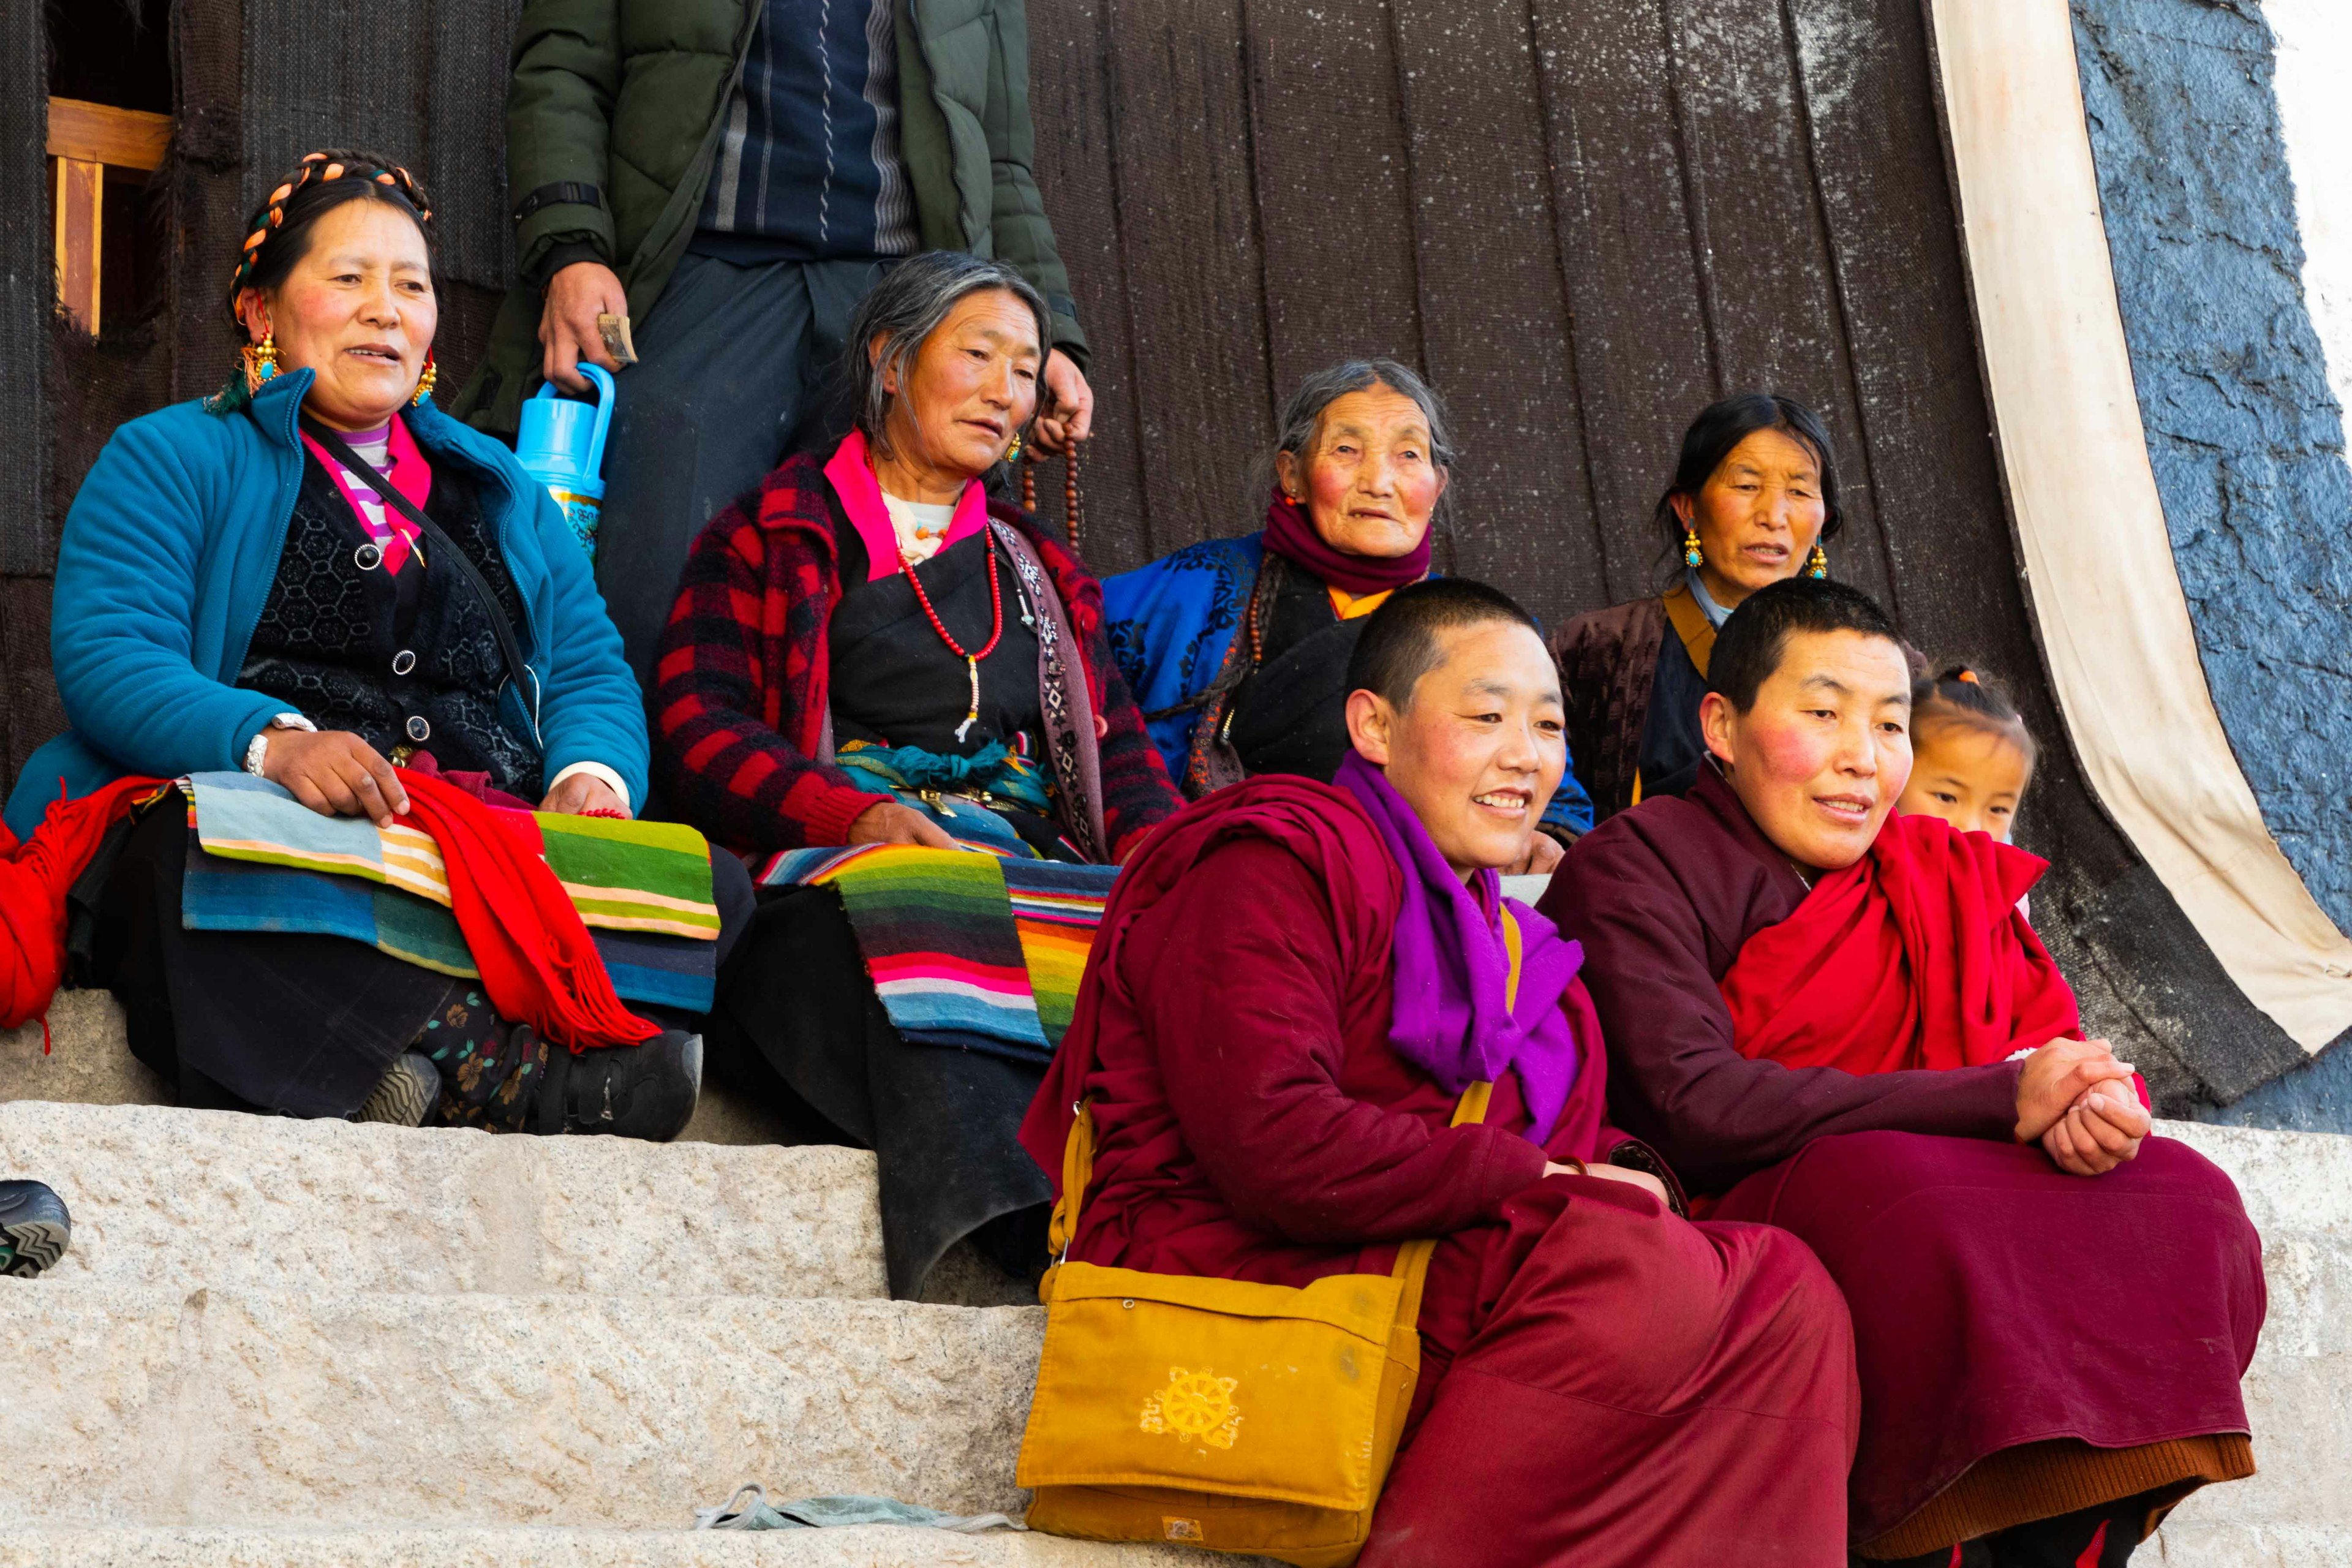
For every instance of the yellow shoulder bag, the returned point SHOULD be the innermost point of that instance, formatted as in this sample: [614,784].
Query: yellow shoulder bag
[1217,1411]
[1220,1413]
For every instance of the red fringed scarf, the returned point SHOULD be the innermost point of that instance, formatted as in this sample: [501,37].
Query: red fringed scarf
[536,958]
[537,961]
[1915,956]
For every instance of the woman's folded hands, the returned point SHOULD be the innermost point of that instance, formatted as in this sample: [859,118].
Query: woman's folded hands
[2077,1100]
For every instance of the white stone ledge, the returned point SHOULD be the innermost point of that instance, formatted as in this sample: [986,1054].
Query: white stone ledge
[866,1547]
[238,1408]
[2296,1510]
[180,1199]
[90,1063]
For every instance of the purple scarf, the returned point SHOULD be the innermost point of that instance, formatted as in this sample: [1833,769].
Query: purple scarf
[1290,532]
[1449,1016]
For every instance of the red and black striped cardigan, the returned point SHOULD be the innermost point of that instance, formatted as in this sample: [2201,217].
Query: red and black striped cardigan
[742,679]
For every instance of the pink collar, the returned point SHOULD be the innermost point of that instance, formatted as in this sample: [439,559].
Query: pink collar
[411,475]
[851,476]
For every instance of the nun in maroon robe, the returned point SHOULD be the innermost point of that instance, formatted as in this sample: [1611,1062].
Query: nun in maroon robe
[2038,1352]
[1290,991]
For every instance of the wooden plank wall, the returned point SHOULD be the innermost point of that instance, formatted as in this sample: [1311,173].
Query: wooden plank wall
[1582,220]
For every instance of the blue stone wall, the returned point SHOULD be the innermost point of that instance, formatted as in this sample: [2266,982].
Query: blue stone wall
[2246,437]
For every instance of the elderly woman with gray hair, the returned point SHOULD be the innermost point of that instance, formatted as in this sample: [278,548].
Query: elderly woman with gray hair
[1238,649]
[867,637]
[868,650]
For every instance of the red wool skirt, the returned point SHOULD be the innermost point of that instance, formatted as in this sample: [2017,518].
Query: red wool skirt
[1998,1300]
[1635,1391]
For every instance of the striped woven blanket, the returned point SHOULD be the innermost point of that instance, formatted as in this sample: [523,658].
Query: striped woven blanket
[966,948]
[258,860]
[650,877]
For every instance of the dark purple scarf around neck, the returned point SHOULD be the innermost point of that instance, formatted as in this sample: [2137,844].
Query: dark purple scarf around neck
[1452,969]
[1290,532]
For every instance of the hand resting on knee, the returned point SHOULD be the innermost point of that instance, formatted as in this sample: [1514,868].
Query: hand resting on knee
[887,822]
[335,773]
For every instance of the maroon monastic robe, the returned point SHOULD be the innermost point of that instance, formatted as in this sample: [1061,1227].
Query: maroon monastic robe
[1603,1382]
[1997,1301]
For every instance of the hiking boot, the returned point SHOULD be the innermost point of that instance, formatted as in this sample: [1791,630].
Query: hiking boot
[406,1094]
[627,1091]
[33,1226]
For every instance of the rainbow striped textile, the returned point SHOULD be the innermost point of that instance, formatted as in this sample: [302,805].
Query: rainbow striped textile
[966,948]
[260,861]
[652,877]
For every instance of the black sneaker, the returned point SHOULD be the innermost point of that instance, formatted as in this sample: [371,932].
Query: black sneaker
[33,1226]
[627,1091]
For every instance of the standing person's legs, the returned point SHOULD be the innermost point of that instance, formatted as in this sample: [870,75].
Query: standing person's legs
[719,384]
[834,291]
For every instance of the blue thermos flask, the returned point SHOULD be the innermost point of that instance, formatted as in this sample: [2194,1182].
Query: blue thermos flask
[562,445]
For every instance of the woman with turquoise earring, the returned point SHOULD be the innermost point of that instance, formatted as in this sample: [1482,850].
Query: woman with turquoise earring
[316,577]
[1754,499]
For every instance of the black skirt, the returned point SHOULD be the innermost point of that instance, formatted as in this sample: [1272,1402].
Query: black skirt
[294,1022]
[288,1022]
[797,1022]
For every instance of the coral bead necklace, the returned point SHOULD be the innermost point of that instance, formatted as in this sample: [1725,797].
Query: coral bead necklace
[995,627]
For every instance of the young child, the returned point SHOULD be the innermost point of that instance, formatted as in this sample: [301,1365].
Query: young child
[1971,754]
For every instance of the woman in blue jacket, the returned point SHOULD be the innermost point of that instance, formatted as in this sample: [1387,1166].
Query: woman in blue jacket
[233,593]
[1237,649]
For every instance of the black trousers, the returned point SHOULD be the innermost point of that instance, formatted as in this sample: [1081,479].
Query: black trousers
[797,1022]
[288,1022]
[2103,1536]
[733,369]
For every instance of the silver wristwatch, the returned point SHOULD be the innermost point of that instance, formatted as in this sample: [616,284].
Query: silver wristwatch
[257,750]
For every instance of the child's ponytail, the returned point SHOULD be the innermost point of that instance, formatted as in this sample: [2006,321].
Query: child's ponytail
[1962,693]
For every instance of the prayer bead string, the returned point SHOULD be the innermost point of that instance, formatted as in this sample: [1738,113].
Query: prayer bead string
[1069,495]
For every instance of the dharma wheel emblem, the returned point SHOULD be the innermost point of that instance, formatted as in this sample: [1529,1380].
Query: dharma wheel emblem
[1197,1406]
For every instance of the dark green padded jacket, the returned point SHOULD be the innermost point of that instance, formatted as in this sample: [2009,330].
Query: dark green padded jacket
[628,97]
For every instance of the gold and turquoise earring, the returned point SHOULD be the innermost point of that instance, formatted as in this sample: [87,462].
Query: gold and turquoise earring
[1692,554]
[260,362]
[1817,565]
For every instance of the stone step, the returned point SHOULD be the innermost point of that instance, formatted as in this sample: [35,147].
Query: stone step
[182,1199]
[89,1062]
[866,1547]
[2185,1543]
[139,1406]
[2297,1509]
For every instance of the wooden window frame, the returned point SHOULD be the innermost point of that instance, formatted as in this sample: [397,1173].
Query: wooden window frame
[86,140]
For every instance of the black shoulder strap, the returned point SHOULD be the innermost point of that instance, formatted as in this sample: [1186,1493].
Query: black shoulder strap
[360,469]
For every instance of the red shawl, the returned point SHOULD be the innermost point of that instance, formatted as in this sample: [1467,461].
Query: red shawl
[1915,956]
[536,960]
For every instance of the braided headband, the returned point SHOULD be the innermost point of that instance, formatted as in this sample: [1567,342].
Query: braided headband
[315,167]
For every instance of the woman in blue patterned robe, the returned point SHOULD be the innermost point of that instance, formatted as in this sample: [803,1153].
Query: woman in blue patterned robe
[1237,649]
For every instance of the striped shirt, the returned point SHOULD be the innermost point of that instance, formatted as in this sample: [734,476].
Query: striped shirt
[809,167]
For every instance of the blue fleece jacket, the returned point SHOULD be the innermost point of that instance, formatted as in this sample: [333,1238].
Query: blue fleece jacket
[168,556]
